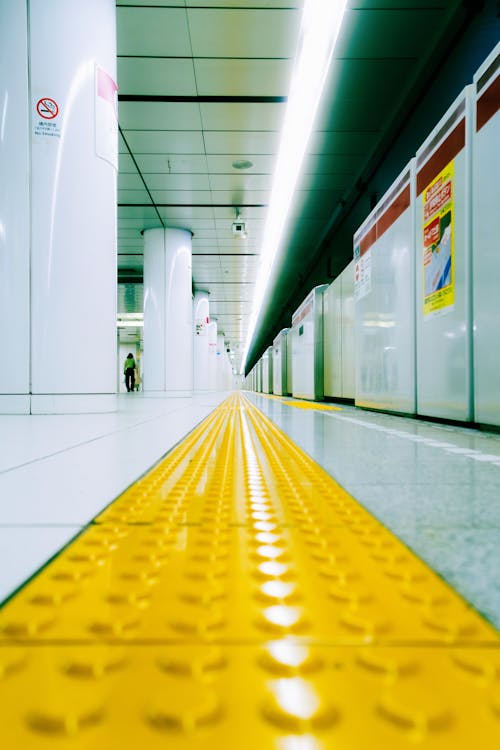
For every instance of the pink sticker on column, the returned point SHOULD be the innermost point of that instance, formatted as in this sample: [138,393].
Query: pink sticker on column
[106,87]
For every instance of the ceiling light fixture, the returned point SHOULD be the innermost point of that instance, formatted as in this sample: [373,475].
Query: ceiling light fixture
[242,164]
[319,30]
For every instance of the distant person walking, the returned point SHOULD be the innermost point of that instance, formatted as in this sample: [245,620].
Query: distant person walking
[137,375]
[129,370]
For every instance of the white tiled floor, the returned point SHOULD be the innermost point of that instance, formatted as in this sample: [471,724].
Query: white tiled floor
[58,472]
[436,486]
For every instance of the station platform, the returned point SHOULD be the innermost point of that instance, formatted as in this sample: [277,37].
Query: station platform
[292,576]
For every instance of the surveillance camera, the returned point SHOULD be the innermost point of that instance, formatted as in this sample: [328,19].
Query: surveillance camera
[239,228]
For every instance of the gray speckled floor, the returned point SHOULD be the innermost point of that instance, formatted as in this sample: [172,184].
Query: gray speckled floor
[437,487]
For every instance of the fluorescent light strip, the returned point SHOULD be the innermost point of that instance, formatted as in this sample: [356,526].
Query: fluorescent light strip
[320,26]
[130,324]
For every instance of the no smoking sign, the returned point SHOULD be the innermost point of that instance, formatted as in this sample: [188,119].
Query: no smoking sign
[47,108]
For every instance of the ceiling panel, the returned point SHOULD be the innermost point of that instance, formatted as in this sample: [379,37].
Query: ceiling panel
[130,181]
[136,212]
[137,223]
[156,76]
[159,115]
[343,142]
[240,3]
[246,212]
[324,164]
[261,163]
[201,225]
[238,196]
[126,164]
[330,181]
[362,30]
[237,245]
[128,242]
[236,274]
[182,197]
[176,181]
[242,143]
[239,181]
[312,209]
[133,196]
[214,250]
[165,141]
[241,116]
[185,213]
[122,146]
[245,32]
[255,223]
[206,234]
[397,4]
[172,163]
[240,307]
[237,78]
[180,3]
[152,31]
[125,231]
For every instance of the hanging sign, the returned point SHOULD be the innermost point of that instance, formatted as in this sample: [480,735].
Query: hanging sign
[438,261]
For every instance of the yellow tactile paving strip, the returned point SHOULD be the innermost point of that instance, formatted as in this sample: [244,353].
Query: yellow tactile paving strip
[302,404]
[237,597]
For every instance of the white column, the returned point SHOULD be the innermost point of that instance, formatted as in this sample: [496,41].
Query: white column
[73,126]
[201,320]
[212,355]
[14,209]
[168,312]
[221,359]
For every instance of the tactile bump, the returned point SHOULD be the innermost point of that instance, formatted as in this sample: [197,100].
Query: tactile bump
[283,619]
[280,591]
[95,666]
[294,705]
[286,659]
[273,569]
[183,706]
[11,663]
[194,593]
[65,720]
[27,626]
[129,597]
[347,593]
[200,663]
[483,669]
[388,666]
[190,621]
[368,627]
[113,625]
[52,597]
[417,720]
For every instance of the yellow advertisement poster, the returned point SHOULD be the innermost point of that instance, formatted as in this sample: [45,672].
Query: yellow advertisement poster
[439,280]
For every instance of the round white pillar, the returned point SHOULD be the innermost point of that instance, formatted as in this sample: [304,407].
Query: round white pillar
[212,355]
[221,361]
[168,312]
[73,130]
[201,320]
[14,209]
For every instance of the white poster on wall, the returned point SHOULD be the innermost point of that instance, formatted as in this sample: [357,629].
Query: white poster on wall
[362,273]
